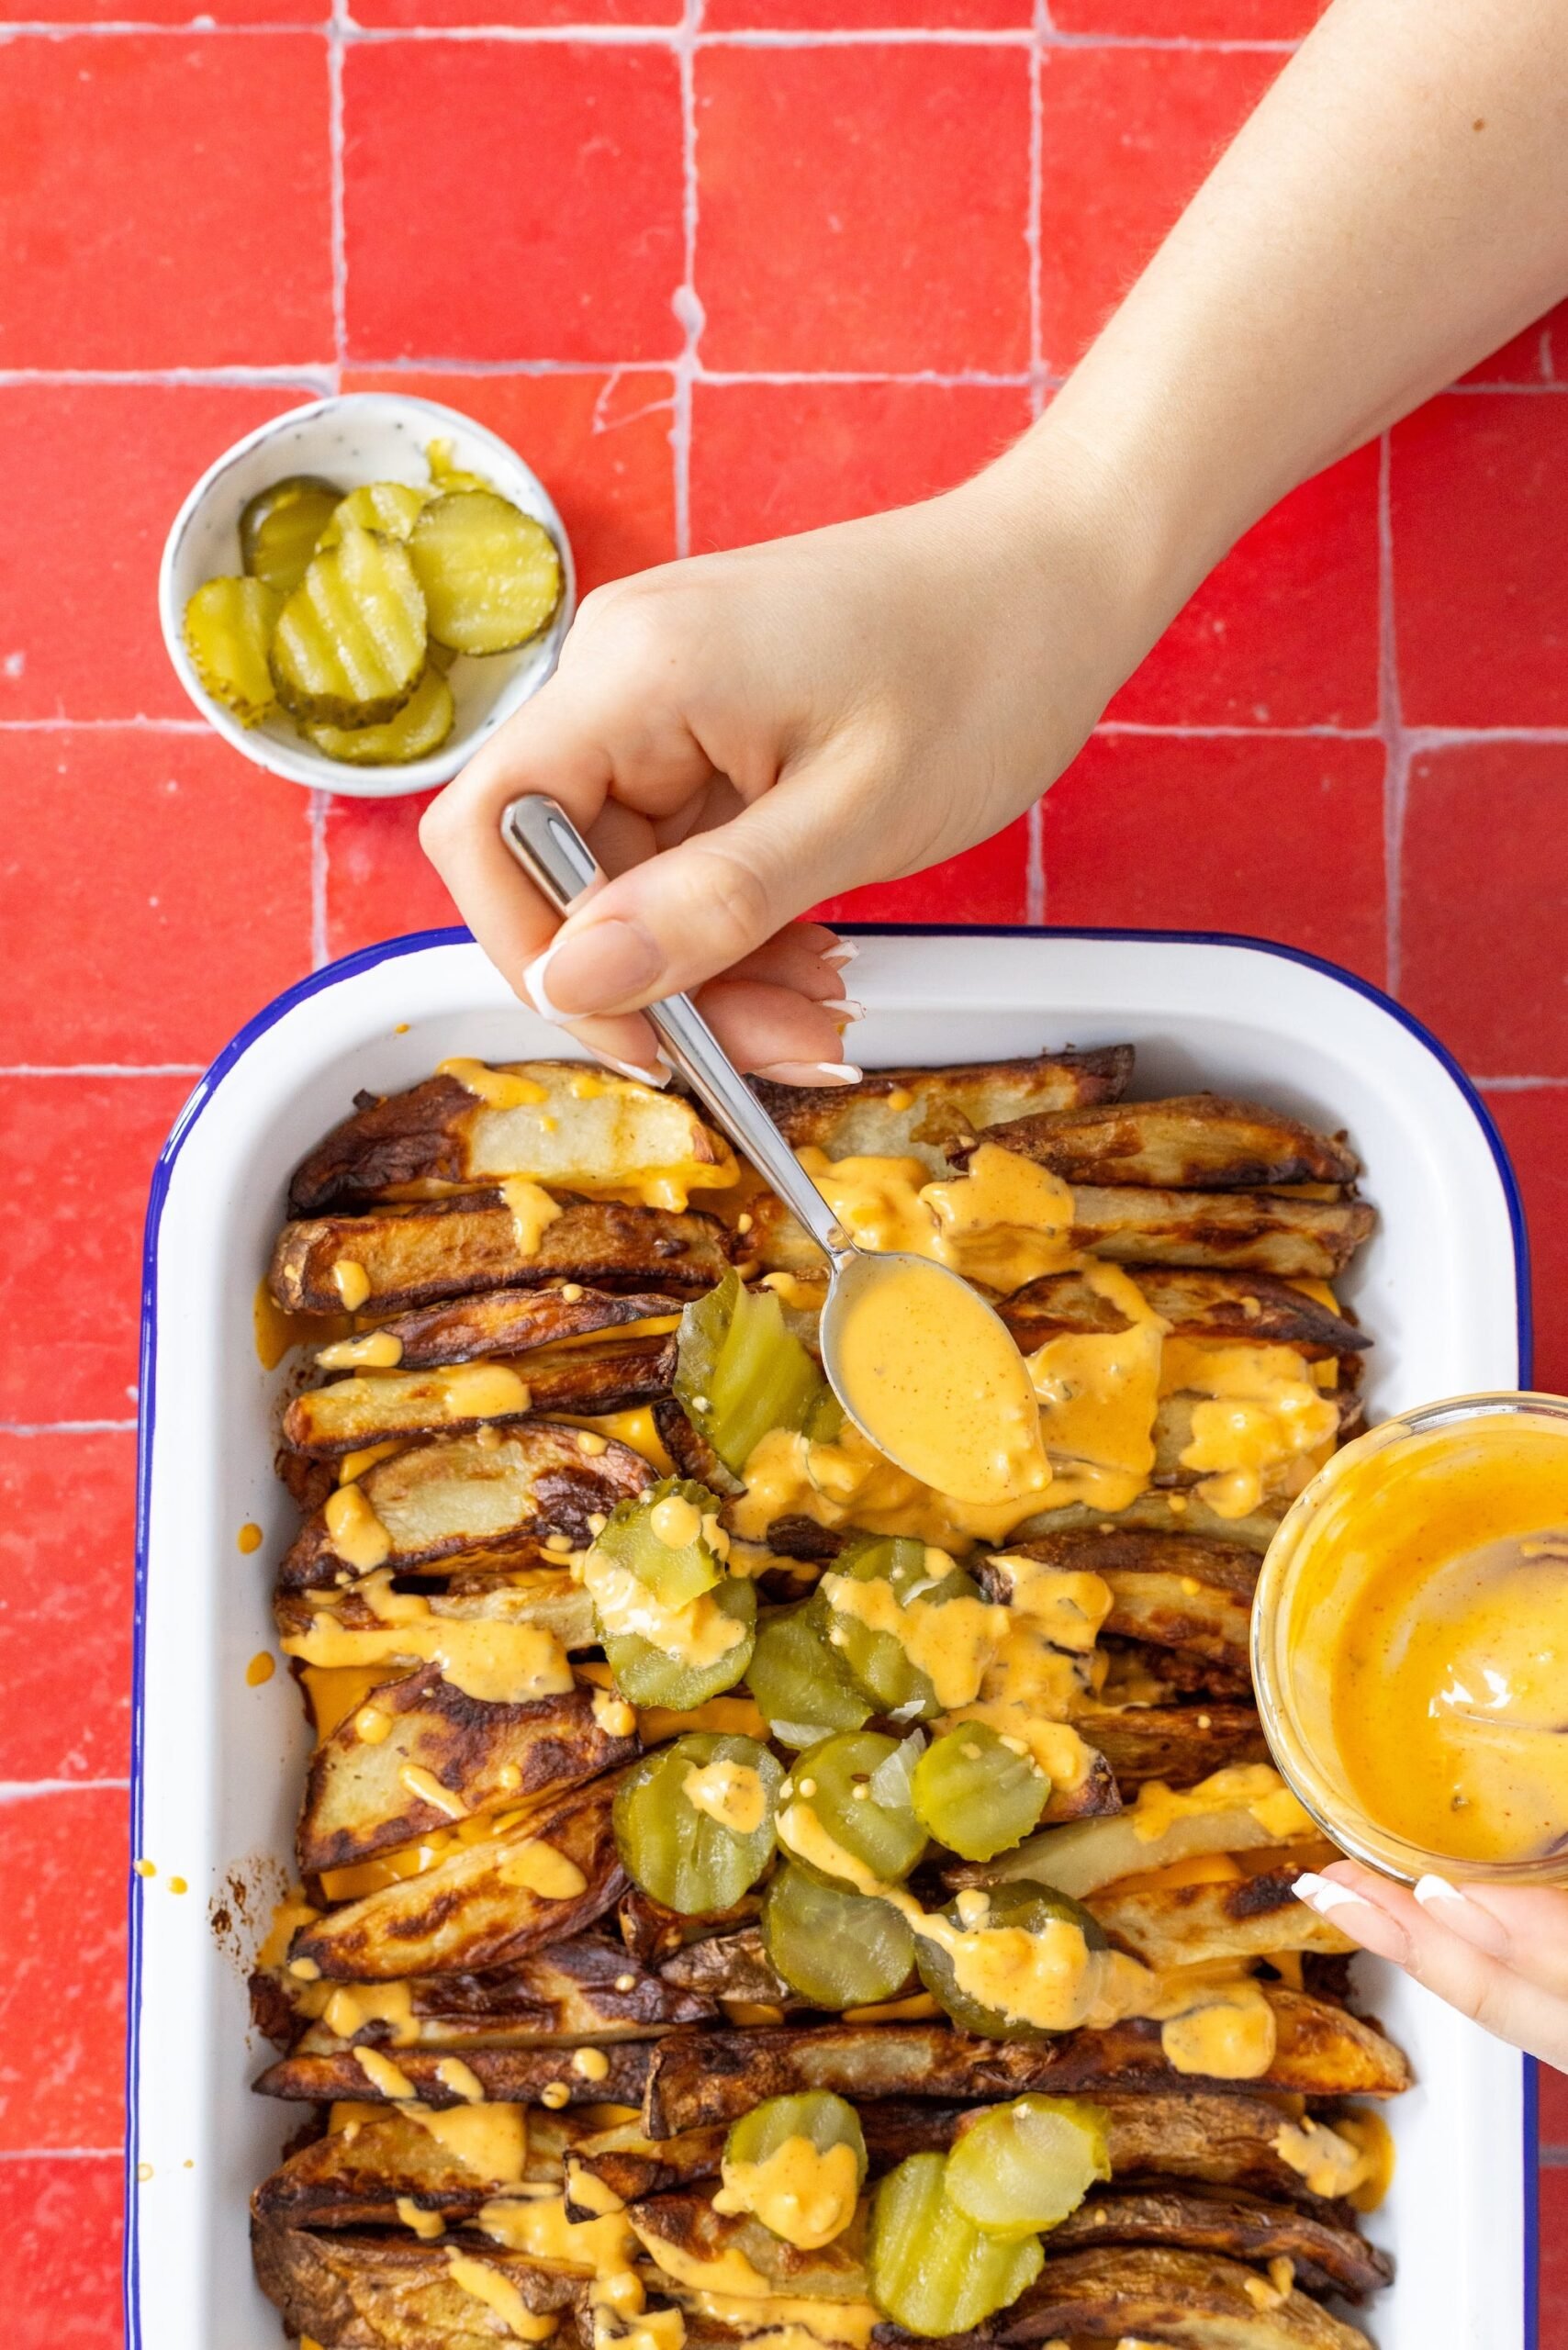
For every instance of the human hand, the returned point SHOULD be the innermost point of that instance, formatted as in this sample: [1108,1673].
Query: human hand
[1498,1954]
[742,734]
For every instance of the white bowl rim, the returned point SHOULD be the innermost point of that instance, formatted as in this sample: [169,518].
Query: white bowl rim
[299,763]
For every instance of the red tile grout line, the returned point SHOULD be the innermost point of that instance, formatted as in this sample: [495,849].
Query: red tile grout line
[686,302]
[1397,773]
[60,2154]
[320,801]
[670,35]
[14,1791]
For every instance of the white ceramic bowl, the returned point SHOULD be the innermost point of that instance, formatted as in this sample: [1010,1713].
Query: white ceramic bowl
[358,437]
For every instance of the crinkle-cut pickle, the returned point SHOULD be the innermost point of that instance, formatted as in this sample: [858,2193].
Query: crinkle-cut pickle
[654,1676]
[491,574]
[350,642]
[740,1374]
[804,1688]
[879,1661]
[679,1853]
[1024,2166]
[390,507]
[280,526]
[446,474]
[933,2271]
[638,1535]
[1025,1905]
[818,2117]
[420,727]
[228,627]
[836,1948]
[975,1794]
[856,1786]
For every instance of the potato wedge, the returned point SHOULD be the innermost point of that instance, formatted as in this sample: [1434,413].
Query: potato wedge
[450,1247]
[510,1322]
[682,2227]
[1194,1925]
[1197,1142]
[507,2076]
[1249,1306]
[567,1124]
[1328,2257]
[1180,1744]
[1192,2298]
[1261,1231]
[697,2079]
[485,1905]
[1246,1810]
[362,1799]
[357,2177]
[917,1113]
[349,1415]
[336,2286]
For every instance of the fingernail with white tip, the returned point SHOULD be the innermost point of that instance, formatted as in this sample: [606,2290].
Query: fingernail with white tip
[843,951]
[1362,1919]
[533,980]
[842,1007]
[811,1073]
[1454,1910]
[655,1077]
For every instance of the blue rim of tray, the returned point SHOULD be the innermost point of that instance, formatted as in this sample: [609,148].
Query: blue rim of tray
[366,959]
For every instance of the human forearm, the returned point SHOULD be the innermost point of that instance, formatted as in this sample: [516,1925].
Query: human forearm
[1396,207]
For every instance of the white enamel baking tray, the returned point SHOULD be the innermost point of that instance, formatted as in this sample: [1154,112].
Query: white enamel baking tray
[218,1765]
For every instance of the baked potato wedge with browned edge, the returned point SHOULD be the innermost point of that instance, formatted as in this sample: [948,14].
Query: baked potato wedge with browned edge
[924,1114]
[1189,1142]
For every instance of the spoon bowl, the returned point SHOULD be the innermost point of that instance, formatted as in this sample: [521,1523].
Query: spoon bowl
[924,1367]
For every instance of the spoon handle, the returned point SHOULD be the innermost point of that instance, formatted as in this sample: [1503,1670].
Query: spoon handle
[563,868]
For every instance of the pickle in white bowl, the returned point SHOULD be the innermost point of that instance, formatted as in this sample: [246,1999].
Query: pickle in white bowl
[271,505]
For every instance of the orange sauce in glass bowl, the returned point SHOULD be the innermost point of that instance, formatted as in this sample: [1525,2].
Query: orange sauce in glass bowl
[1411,1641]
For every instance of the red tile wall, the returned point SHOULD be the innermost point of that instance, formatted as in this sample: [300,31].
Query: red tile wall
[719,268]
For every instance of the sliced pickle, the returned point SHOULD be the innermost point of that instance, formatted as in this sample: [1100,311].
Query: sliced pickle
[229,627]
[702,1853]
[667,1538]
[1024,1906]
[656,1677]
[879,1661]
[446,474]
[975,1794]
[854,1790]
[739,1373]
[836,1949]
[1024,2166]
[390,507]
[350,644]
[491,574]
[802,1686]
[807,2198]
[933,2271]
[280,527]
[420,727]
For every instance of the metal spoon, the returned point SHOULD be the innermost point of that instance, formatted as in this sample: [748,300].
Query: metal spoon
[562,867]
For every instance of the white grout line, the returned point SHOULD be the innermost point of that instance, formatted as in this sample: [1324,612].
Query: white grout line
[65,1428]
[17,1791]
[1037,378]
[104,725]
[102,1068]
[672,34]
[1518,1084]
[1035,863]
[686,301]
[321,877]
[62,2153]
[1554,2157]
[1396,774]
[308,376]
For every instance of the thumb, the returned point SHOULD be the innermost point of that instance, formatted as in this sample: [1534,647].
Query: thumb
[694,910]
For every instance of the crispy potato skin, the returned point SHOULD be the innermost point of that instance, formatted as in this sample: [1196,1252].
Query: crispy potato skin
[926,1113]
[438,1131]
[348,1414]
[435,1250]
[1181,1744]
[1189,1142]
[1328,2259]
[1254,1307]
[1193,1925]
[388,2293]
[512,1321]
[1188,2298]
[357,1802]
[695,2080]
[510,2075]
[1121,1552]
[468,1911]
[455,1503]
